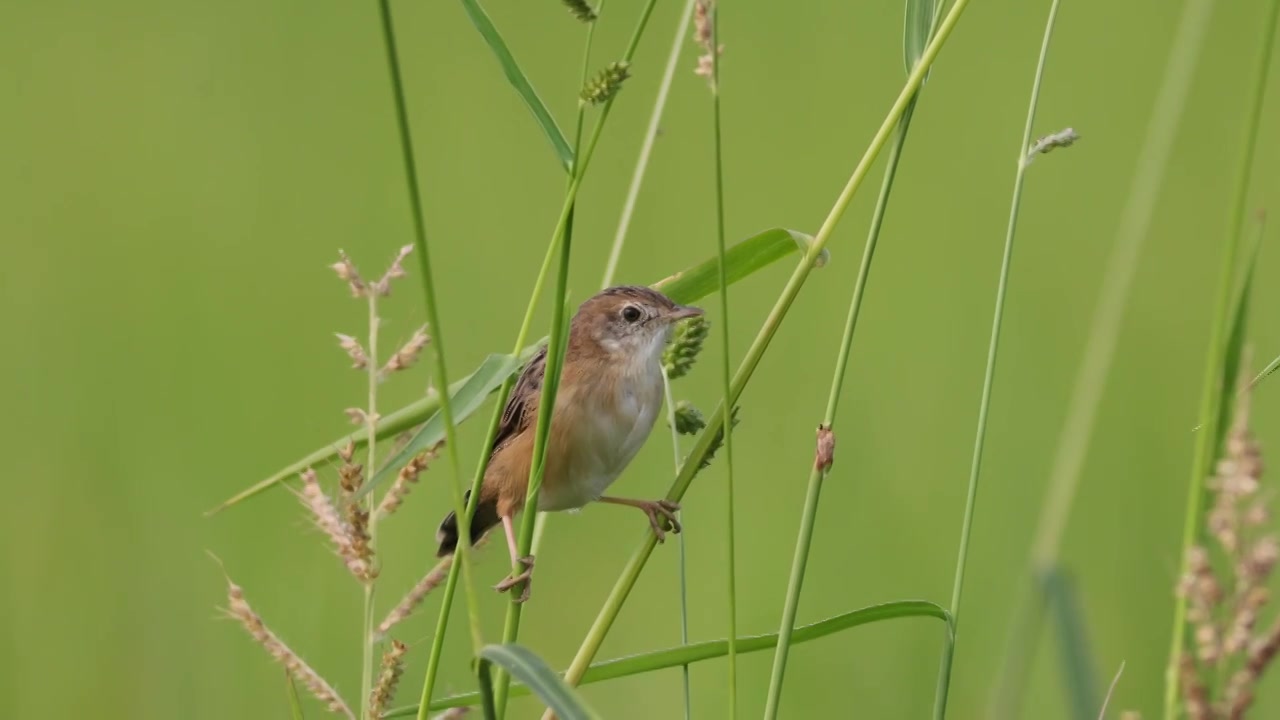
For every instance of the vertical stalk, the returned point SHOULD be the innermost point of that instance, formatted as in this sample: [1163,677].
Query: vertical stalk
[1209,439]
[714,12]
[988,380]
[646,146]
[432,310]
[581,163]
[1073,442]
[371,421]
[818,474]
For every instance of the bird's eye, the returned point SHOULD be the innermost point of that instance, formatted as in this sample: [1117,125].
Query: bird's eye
[631,313]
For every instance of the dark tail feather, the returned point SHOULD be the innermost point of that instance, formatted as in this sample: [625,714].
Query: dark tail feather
[485,517]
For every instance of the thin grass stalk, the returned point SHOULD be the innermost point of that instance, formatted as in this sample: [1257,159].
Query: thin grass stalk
[631,571]
[819,472]
[432,310]
[1073,443]
[1208,439]
[727,370]
[371,419]
[684,578]
[988,381]
[581,163]
[1270,368]
[557,341]
[646,146]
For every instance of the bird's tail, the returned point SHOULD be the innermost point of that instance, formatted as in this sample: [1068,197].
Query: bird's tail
[485,517]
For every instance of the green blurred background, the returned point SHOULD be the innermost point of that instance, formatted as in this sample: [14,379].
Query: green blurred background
[178,175]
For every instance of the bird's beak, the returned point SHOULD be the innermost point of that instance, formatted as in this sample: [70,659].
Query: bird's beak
[683,311]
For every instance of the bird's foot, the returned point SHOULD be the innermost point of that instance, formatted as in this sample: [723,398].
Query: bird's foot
[524,579]
[662,516]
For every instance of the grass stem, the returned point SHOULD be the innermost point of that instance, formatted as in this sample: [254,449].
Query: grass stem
[646,146]
[371,420]
[727,370]
[818,474]
[1208,439]
[1073,442]
[988,381]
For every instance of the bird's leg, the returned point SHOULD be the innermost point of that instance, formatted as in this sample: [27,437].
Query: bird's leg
[652,508]
[524,578]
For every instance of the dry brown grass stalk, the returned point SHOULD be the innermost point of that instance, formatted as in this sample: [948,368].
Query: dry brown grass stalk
[327,519]
[392,668]
[238,608]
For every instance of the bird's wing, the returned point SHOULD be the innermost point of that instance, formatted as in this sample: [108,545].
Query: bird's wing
[522,405]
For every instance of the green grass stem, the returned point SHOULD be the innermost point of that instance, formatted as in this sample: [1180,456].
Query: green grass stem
[988,381]
[726,368]
[432,307]
[631,571]
[1208,439]
[1095,366]
[818,475]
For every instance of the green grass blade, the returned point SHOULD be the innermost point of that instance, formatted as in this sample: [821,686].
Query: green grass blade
[407,417]
[295,703]
[523,665]
[519,81]
[918,23]
[468,398]
[1079,675]
[743,260]
[712,649]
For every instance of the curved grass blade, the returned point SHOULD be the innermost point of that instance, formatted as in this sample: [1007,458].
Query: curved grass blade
[519,81]
[712,649]
[743,260]
[523,665]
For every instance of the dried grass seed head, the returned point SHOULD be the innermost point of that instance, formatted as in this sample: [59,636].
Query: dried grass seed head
[347,272]
[396,270]
[354,350]
[408,354]
[238,608]
[388,677]
[328,520]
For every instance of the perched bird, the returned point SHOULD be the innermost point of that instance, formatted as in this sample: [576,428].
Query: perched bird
[610,394]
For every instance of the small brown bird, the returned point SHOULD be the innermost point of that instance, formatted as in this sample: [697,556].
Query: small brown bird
[610,394]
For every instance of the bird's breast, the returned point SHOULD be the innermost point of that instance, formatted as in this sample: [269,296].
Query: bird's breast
[608,421]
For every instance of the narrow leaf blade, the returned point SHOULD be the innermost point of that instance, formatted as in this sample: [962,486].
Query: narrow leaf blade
[712,649]
[519,81]
[915,32]
[529,669]
[468,398]
[743,259]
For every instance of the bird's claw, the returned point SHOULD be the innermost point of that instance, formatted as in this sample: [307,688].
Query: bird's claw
[667,510]
[523,579]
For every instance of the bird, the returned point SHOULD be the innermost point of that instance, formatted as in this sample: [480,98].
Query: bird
[610,394]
